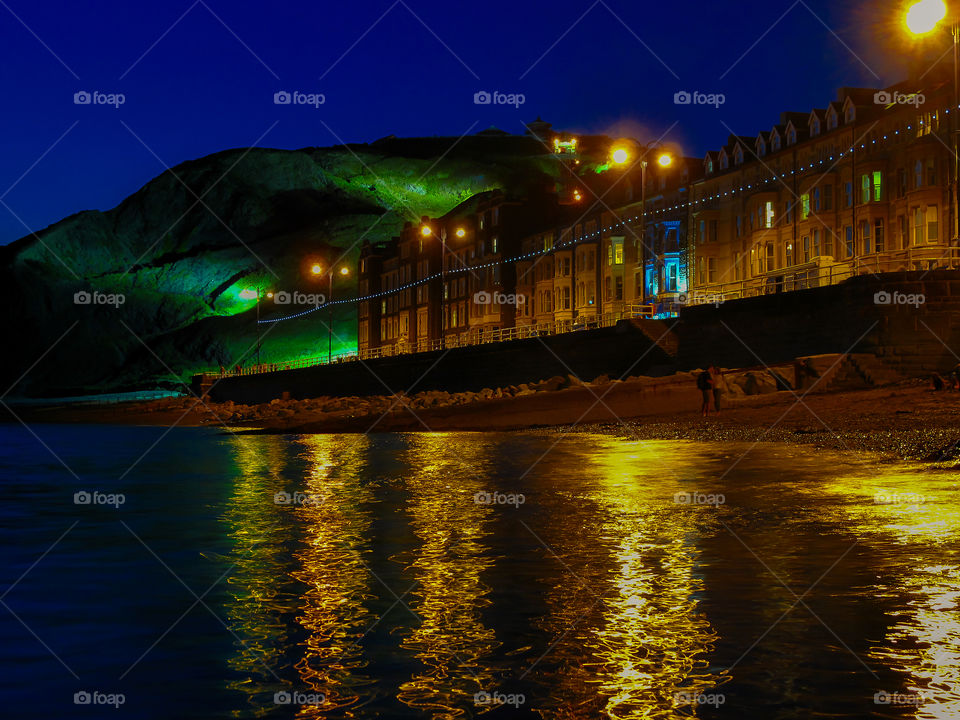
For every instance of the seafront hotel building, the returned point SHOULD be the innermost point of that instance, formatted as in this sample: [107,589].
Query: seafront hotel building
[860,185]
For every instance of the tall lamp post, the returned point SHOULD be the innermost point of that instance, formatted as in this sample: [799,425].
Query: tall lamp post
[256,293]
[621,156]
[317,269]
[921,19]
[427,231]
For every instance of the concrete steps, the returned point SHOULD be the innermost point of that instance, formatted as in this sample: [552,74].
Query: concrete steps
[837,371]
[660,333]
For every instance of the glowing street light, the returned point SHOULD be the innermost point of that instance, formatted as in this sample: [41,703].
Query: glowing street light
[344,271]
[460,233]
[426,231]
[923,17]
[665,160]
[620,156]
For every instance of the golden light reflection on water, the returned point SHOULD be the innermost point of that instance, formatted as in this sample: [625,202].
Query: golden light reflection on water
[452,641]
[912,515]
[334,609]
[259,551]
[309,608]
[639,636]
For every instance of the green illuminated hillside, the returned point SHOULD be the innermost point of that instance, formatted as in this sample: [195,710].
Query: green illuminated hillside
[183,249]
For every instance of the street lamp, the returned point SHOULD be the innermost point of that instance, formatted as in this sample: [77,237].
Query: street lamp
[460,233]
[250,294]
[317,269]
[664,160]
[921,19]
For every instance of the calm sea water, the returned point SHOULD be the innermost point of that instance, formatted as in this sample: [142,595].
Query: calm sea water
[453,575]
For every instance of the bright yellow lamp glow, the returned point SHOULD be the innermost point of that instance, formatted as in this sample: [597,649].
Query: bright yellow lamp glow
[665,160]
[316,269]
[425,230]
[461,232]
[576,195]
[922,17]
[344,271]
[620,156]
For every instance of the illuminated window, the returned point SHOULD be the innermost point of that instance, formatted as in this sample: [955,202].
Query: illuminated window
[864,188]
[804,206]
[933,230]
[768,214]
[618,252]
[877,185]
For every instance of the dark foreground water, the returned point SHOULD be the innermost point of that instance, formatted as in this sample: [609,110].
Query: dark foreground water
[404,576]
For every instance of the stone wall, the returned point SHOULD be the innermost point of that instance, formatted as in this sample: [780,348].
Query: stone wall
[912,339]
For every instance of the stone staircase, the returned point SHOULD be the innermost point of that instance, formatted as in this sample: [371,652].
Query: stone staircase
[851,371]
[660,333]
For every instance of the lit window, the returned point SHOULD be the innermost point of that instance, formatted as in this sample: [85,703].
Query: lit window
[877,185]
[933,230]
[804,206]
[768,214]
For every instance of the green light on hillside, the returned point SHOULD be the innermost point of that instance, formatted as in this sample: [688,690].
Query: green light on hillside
[248,294]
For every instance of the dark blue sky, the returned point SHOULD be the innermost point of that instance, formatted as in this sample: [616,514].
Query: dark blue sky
[199,77]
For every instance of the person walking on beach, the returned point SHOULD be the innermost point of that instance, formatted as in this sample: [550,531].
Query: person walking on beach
[705,385]
[716,384]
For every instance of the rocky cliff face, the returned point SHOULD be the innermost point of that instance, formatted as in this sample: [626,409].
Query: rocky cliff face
[161,277]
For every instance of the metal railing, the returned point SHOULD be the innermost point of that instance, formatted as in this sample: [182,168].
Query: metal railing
[818,272]
[469,337]
[821,272]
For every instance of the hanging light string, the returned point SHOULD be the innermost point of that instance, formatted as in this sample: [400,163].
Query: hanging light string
[572,241]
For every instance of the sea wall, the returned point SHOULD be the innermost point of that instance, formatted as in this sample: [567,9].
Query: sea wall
[916,332]
[623,350]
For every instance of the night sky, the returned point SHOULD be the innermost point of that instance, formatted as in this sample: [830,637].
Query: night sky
[199,77]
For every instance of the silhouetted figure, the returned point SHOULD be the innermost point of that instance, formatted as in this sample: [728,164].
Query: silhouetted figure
[716,382]
[705,385]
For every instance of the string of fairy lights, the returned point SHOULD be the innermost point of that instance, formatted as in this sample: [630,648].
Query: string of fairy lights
[774,177]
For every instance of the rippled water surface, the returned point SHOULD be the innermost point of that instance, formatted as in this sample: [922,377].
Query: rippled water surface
[455,575]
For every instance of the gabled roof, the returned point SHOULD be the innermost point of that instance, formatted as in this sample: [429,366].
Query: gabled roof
[800,126]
